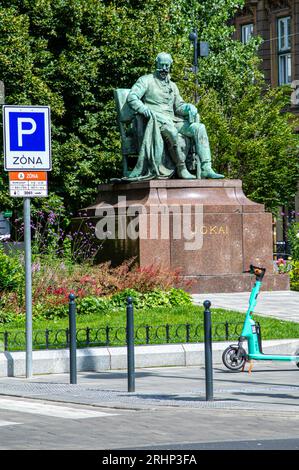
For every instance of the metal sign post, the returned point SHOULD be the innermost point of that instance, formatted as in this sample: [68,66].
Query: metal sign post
[28,286]
[73,338]
[27,156]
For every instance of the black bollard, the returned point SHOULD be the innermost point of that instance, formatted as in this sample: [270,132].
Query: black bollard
[130,345]
[73,339]
[208,350]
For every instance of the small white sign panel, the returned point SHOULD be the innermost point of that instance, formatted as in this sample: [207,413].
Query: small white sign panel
[28,184]
[27,138]
[4,227]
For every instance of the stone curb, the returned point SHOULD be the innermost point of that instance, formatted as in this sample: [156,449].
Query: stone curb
[13,364]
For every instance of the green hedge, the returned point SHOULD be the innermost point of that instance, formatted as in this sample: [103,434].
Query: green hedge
[11,272]
[100,305]
[153,299]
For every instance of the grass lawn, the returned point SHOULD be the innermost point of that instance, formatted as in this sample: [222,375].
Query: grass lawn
[155,326]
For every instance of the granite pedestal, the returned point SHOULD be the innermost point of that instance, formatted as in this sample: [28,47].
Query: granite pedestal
[208,229]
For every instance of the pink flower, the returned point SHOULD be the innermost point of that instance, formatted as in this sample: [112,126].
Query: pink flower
[280,261]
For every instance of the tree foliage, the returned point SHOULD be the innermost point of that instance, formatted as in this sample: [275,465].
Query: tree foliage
[71,54]
[256,142]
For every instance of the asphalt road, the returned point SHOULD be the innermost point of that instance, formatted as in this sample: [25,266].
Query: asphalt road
[37,424]
[259,444]
[168,411]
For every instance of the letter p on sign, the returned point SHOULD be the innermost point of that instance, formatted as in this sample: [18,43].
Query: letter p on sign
[22,131]
[27,138]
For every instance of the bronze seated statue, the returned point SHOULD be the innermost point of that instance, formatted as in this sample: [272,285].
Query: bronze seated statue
[160,130]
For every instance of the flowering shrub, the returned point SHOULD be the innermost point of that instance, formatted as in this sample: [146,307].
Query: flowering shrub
[53,236]
[102,280]
[63,263]
[53,280]
[282,265]
[105,305]
[289,266]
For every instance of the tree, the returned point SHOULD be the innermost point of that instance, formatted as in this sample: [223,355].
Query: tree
[254,141]
[71,54]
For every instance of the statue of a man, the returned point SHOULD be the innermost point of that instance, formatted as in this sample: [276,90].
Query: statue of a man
[157,98]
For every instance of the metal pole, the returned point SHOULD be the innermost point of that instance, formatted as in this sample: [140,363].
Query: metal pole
[2,92]
[196,66]
[193,36]
[73,339]
[130,345]
[28,286]
[208,350]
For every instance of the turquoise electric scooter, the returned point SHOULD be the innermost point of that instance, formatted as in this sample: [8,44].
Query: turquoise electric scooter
[235,357]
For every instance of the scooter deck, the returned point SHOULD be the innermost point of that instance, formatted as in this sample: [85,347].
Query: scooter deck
[273,357]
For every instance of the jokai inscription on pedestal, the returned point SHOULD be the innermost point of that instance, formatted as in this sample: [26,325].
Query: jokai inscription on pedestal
[207,229]
[214,230]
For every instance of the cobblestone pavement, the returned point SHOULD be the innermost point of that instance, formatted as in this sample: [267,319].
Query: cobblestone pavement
[278,304]
[168,410]
[269,387]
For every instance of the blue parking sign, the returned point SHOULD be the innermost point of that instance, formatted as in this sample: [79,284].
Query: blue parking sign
[27,138]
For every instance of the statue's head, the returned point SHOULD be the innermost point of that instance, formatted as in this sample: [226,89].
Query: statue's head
[163,64]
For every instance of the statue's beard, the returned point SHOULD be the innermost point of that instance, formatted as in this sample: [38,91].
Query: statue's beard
[163,73]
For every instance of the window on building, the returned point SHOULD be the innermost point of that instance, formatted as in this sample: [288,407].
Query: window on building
[284,50]
[246,32]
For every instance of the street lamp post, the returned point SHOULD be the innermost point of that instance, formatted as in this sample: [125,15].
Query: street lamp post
[193,37]
[200,49]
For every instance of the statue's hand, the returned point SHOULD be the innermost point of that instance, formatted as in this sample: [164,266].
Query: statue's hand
[192,111]
[146,112]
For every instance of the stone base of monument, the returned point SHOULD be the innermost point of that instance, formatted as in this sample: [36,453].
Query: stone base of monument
[207,229]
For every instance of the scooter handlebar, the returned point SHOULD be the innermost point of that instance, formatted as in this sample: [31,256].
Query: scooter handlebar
[257,271]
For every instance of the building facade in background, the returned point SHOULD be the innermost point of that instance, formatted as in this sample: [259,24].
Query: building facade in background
[277,22]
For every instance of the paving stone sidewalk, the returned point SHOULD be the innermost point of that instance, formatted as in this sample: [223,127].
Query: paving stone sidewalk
[283,305]
[271,387]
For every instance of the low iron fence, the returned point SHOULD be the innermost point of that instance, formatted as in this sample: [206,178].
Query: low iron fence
[116,336]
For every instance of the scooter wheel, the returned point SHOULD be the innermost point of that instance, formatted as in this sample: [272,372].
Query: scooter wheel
[231,360]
